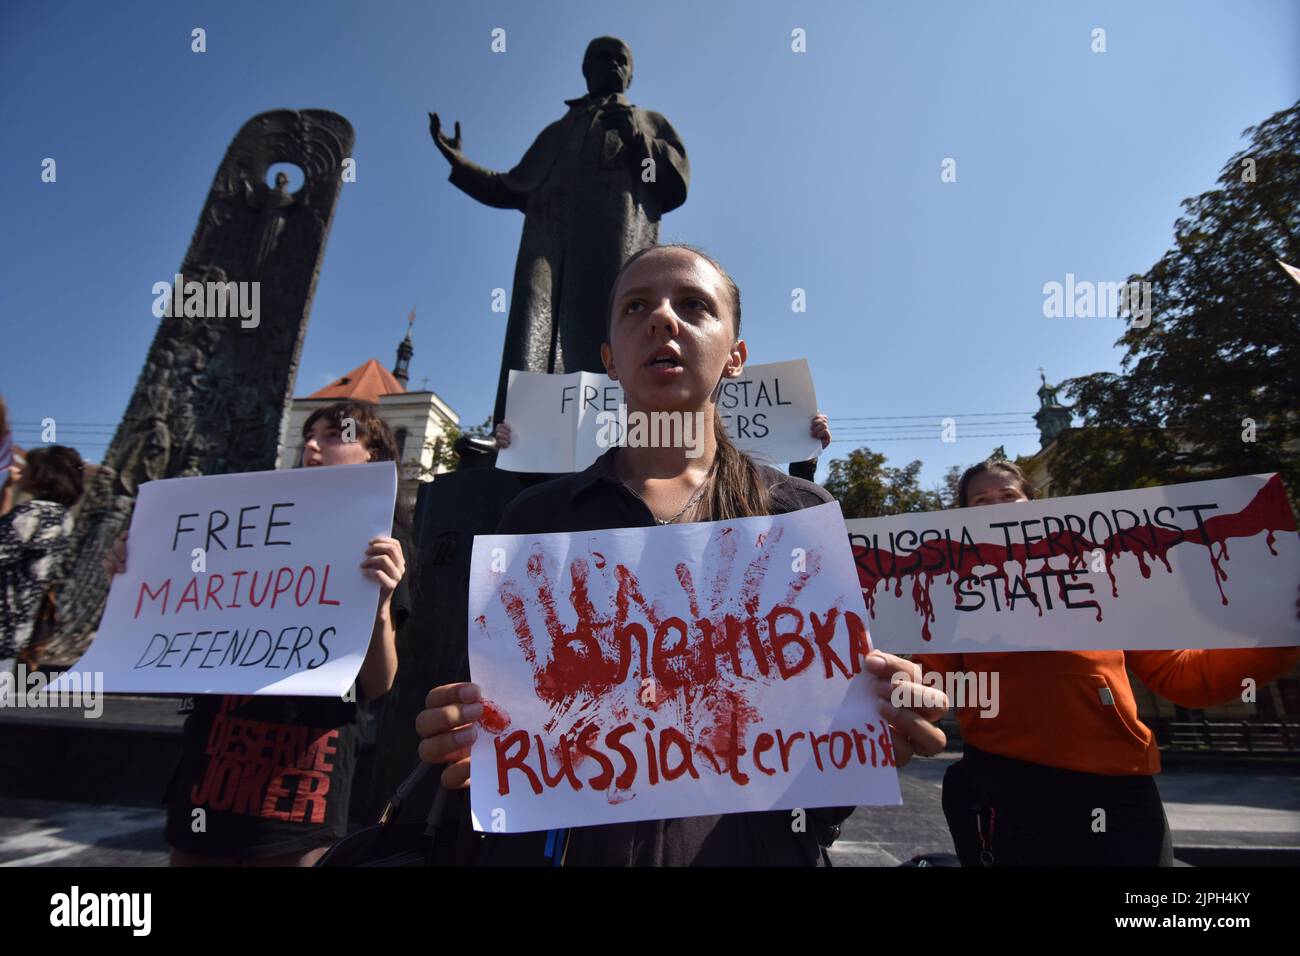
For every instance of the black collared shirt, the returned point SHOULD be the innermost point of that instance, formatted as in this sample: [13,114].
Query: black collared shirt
[596,500]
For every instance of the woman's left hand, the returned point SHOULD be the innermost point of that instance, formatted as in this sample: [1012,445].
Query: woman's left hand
[384,563]
[913,726]
[821,428]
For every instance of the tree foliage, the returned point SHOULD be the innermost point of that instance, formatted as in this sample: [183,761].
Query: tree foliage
[443,447]
[866,488]
[1222,350]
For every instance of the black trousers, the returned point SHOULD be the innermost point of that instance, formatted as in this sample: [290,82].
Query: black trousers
[1004,812]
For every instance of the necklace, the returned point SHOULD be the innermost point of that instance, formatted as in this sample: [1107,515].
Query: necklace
[694,498]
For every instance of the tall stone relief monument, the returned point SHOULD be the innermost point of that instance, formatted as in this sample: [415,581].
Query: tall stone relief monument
[592,189]
[216,383]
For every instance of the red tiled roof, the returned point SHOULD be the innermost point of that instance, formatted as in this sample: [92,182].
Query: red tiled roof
[364,383]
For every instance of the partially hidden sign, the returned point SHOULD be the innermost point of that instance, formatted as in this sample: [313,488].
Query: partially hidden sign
[652,673]
[1199,565]
[562,423]
[246,584]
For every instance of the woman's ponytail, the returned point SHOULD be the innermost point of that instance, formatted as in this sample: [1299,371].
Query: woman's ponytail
[736,489]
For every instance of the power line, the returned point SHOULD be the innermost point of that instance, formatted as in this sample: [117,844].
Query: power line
[870,418]
[866,439]
[860,429]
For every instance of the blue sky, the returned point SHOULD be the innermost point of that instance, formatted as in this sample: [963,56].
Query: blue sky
[818,170]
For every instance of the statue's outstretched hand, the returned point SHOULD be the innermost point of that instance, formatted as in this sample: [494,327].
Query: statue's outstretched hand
[448,147]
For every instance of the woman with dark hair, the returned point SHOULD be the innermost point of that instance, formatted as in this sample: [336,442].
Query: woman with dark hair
[287,804]
[1066,741]
[33,539]
[673,335]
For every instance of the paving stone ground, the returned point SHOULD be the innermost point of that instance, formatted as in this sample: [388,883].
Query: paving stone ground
[1249,811]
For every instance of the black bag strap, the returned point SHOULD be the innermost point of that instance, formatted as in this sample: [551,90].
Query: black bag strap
[403,791]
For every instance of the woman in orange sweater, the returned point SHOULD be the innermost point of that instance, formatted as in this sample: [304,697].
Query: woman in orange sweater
[1061,772]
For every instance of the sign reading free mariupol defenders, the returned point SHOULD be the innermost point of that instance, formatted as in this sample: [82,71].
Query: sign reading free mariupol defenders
[684,670]
[1199,565]
[246,584]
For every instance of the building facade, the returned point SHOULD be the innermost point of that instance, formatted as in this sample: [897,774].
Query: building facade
[420,420]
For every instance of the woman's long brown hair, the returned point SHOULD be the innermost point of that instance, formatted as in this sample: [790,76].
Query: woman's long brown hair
[736,489]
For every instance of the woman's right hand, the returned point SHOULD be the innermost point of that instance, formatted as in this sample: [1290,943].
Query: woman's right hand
[115,559]
[502,435]
[447,728]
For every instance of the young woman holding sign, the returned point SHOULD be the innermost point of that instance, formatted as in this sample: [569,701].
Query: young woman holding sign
[673,334]
[266,781]
[1062,775]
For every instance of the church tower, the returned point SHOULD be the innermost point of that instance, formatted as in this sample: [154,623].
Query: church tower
[401,371]
[1052,417]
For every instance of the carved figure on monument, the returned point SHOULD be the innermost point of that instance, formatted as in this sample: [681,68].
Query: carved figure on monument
[271,204]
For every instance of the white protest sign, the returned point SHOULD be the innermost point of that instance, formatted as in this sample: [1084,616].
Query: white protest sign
[685,670]
[562,423]
[246,584]
[544,413]
[1199,565]
[768,411]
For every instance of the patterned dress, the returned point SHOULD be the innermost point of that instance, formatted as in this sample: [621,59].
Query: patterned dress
[33,539]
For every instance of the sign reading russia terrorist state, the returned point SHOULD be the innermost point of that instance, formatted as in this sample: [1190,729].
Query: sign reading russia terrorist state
[651,673]
[1132,570]
[246,584]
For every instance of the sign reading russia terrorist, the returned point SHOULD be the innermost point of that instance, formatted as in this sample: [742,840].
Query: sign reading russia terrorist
[1129,570]
[246,584]
[651,673]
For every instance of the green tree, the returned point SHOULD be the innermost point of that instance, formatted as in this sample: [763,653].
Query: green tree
[948,490]
[1209,387]
[866,488]
[443,447]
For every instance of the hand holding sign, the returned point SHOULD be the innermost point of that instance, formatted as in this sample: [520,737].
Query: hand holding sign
[654,673]
[1198,565]
[448,725]
[821,429]
[449,722]
[232,590]
[385,564]
[913,724]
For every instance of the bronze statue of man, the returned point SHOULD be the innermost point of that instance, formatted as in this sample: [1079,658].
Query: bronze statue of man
[592,188]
